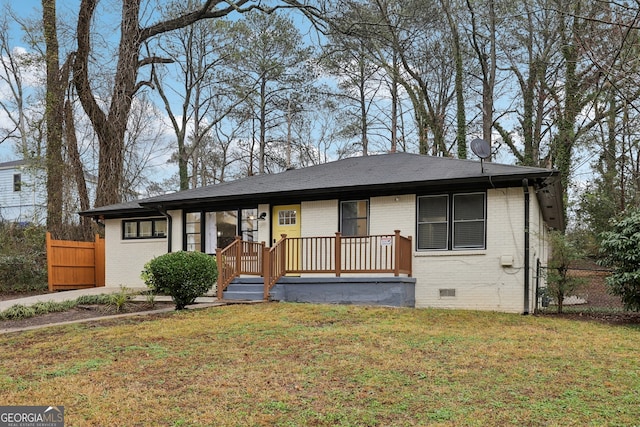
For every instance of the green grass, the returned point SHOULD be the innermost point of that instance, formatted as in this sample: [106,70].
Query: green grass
[327,365]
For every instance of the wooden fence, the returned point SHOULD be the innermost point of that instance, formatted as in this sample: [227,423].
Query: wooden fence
[75,265]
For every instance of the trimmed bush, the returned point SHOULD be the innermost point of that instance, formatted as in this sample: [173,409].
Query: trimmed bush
[184,276]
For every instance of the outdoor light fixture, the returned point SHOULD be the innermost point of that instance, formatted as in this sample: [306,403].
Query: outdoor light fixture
[263,216]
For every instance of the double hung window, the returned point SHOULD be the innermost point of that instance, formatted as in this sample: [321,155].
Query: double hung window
[452,221]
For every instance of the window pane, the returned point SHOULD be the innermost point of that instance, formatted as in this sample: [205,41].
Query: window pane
[468,206]
[355,218]
[433,222]
[469,234]
[349,210]
[287,217]
[193,242]
[17,182]
[145,228]
[160,228]
[433,209]
[193,222]
[249,224]
[432,236]
[130,230]
[469,221]
[192,228]
[227,227]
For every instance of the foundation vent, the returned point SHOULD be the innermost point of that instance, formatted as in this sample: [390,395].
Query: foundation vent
[447,293]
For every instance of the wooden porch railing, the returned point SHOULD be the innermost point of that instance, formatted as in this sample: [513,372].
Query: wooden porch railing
[275,264]
[240,257]
[388,253]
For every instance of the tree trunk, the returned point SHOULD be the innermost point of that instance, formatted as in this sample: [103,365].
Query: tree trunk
[53,116]
[461,120]
[78,171]
[263,126]
[110,127]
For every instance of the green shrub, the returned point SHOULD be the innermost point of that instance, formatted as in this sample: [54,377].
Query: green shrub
[23,258]
[17,311]
[184,276]
[103,299]
[620,250]
[119,301]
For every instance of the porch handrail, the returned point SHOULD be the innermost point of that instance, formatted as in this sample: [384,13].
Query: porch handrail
[404,258]
[384,253]
[274,264]
[240,257]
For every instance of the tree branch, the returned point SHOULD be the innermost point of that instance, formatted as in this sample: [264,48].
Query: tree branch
[154,60]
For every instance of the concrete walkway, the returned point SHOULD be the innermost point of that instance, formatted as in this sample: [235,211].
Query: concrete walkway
[72,295]
[202,302]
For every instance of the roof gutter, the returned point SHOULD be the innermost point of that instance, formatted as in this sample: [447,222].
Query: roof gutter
[164,212]
[525,187]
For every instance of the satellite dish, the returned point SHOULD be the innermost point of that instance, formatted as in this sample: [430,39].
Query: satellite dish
[482,149]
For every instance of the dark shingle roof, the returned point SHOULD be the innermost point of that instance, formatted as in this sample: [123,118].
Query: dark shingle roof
[379,174]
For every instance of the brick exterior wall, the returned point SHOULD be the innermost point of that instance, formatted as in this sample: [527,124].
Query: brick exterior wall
[488,279]
[125,259]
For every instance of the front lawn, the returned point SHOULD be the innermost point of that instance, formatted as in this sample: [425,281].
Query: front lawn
[326,365]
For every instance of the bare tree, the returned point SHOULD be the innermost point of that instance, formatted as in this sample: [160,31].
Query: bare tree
[482,37]
[109,122]
[272,66]
[13,65]
[359,82]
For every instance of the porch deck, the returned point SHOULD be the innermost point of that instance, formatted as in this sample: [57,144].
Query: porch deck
[371,257]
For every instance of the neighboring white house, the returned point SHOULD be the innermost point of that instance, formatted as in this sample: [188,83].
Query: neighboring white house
[23,196]
[476,233]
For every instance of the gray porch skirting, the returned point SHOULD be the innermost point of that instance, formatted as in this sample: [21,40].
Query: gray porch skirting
[387,291]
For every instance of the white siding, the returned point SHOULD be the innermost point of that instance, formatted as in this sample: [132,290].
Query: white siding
[176,230]
[28,204]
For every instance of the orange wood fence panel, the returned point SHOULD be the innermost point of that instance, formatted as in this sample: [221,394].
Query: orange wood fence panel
[75,265]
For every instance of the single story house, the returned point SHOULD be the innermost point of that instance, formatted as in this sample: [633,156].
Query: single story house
[399,229]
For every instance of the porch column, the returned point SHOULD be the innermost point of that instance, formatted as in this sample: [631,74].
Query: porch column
[338,254]
[398,252]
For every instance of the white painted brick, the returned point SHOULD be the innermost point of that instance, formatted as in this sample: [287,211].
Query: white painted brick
[319,218]
[125,259]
